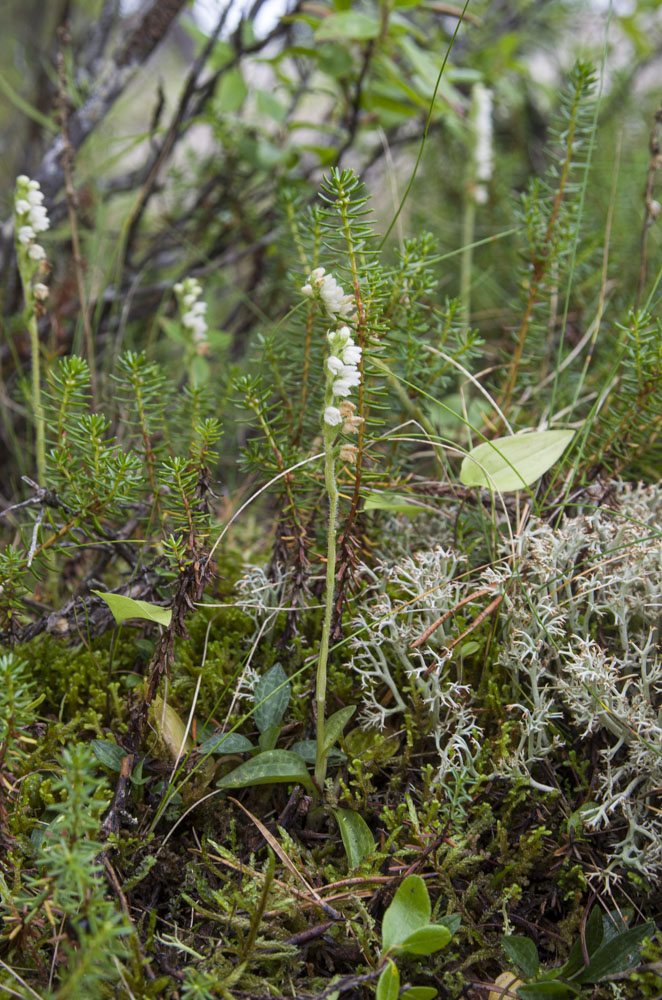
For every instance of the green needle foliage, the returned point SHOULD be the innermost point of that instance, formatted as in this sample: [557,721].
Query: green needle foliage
[380,560]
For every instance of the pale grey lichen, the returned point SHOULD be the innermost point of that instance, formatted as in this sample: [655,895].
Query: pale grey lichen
[579,628]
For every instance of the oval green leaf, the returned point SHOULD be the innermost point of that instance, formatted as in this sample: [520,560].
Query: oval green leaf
[419,993]
[125,607]
[335,724]
[523,952]
[224,743]
[426,940]
[388,986]
[108,753]
[356,836]
[307,749]
[409,911]
[348,25]
[268,768]
[513,463]
[271,698]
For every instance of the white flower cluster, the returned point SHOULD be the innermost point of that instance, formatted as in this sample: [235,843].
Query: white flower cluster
[482,125]
[342,375]
[31,217]
[192,312]
[326,287]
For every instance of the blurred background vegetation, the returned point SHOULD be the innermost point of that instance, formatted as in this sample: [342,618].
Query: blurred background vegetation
[188,128]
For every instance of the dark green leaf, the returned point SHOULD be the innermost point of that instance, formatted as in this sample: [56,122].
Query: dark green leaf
[271,698]
[356,836]
[553,989]
[225,743]
[269,738]
[308,750]
[620,953]
[523,952]
[268,768]
[452,921]
[335,724]
[108,753]
[593,940]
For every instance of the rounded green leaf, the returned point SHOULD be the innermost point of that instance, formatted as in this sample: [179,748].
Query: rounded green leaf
[523,952]
[426,940]
[409,911]
[419,993]
[388,986]
[512,463]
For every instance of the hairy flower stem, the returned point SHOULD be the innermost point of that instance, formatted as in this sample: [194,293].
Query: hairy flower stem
[468,225]
[320,687]
[37,410]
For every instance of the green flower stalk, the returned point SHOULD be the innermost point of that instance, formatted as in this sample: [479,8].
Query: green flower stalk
[342,375]
[31,218]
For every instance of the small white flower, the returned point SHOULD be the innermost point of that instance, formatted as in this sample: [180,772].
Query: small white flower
[178,288]
[34,195]
[40,291]
[317,274]
[22,206]
[480,194]
[334,365]
[481,113]
[307,290]
[33,185]
[351,355]
[343,386]
[347,306]
[36,252]
[39,219]
[22,180]
[26,234]
[188,300]
[332,416]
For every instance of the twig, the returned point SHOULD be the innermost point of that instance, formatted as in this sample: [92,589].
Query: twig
[67,160]
[652,207]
